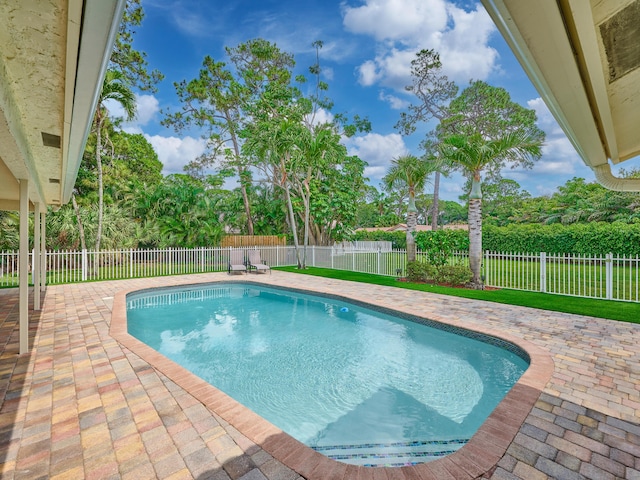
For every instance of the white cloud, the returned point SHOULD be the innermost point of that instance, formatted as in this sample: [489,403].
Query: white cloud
[147,106]
[391,69]
[558,154]
[403,27]
[451,187]
[328,73]
[559,162]
[545,119]
[174,152]
[402,20]
[378,151]
[394,102]
[368,73]
[464,49]
[322,116]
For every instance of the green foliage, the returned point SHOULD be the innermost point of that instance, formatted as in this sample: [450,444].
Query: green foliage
[118,229]
[452,239]
[502,200]
[182,212]
[134,158]
[131,62]
[584,239]
[9,227]
[438,246]
[452,212]
[454,275]
[418,271]
[334,201]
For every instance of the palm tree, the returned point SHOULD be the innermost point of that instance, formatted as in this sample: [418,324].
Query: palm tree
[438,167]
[473,154]
[410,172]
[114,88]
[9,227]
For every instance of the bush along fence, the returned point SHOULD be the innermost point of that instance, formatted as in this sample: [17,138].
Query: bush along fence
[609,276]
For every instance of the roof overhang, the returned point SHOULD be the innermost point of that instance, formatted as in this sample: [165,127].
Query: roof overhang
[53,57]
[583,57]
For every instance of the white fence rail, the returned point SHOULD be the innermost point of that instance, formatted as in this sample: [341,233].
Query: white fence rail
[606,277]
[611,277]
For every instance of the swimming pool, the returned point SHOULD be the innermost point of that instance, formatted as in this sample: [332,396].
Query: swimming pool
[361,387]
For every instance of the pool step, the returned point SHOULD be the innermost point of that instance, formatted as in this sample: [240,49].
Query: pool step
[394,454]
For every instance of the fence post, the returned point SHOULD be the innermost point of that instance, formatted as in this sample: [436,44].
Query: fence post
[378,260]
[313,255]
[487,268]
[84,265]
[609,275]
[131,263]
[277,255]
[543,272]
[332,254]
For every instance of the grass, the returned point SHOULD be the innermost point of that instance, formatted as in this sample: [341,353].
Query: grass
[609,309]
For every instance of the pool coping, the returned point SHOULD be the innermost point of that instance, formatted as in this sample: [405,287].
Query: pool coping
[475,459]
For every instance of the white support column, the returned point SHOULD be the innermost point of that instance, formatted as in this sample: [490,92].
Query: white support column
[23,280]
[43,249]
[36,257]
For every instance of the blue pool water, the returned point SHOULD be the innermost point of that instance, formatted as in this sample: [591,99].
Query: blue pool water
[358,385]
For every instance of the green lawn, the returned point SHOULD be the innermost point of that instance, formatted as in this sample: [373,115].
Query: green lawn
[613,310]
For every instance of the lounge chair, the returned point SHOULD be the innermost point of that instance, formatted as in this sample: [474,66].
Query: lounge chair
[236,261]
[256,263]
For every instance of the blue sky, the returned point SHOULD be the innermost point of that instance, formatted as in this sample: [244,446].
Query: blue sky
[368,47]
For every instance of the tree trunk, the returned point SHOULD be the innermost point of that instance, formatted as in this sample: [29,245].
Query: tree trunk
[245,200]
[411,228]
[306,197]
[294,229]
[475,234]
[292,217]
[436,199]
[243,184]
[76,209]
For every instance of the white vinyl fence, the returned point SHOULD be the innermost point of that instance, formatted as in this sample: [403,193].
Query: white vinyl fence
[611,277]
[606,277]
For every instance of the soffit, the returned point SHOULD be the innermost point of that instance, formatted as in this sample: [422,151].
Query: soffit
[32,74]
[584,59]
[53,55]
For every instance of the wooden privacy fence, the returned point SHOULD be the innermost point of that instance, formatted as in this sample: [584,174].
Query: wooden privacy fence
[237,241]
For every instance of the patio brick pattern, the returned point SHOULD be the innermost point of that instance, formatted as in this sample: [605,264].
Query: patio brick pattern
[83,405]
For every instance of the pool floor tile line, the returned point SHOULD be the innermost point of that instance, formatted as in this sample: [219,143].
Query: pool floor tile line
[83,405]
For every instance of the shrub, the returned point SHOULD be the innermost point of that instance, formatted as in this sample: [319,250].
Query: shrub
[420,271]
[439,245]
[453,275]
[447,239]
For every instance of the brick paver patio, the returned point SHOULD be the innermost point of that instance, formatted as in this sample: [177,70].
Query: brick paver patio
[84,405]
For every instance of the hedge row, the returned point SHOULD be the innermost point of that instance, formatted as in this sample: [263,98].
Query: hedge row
[582,239]
[456,239]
